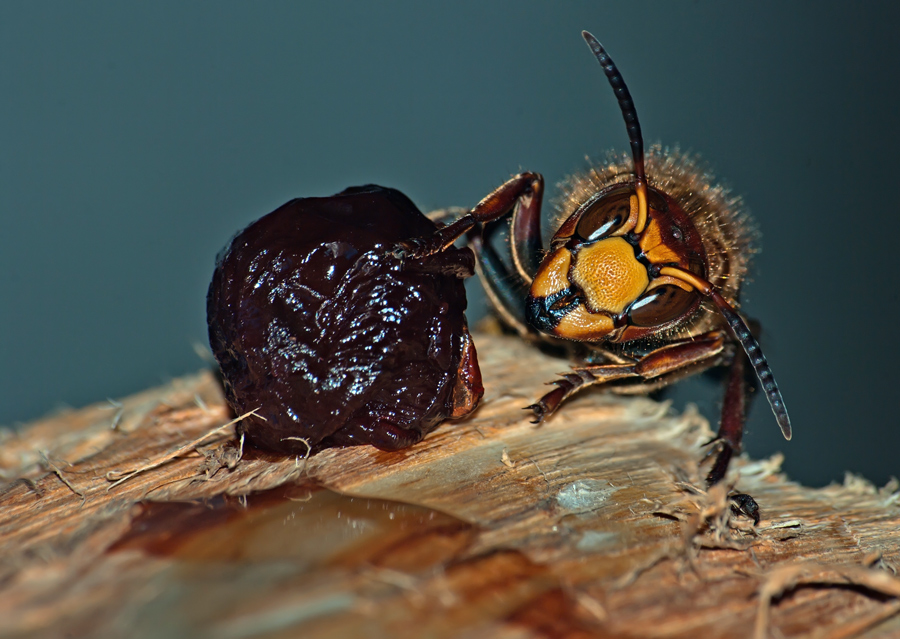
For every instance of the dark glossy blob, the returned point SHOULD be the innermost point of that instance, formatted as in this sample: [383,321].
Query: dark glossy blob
[316,322]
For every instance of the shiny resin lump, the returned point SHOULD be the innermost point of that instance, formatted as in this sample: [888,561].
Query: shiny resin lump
[318,324]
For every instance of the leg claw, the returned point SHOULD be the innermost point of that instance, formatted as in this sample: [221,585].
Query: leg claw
[743,504]
[539,413]
[415,248]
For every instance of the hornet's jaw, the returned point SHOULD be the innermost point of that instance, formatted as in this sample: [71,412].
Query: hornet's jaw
[557,307]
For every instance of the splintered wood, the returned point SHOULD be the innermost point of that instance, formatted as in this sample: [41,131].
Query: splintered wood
[146,518]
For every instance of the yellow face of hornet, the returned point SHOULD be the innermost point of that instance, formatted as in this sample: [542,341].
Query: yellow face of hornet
[605,275]
[629,264]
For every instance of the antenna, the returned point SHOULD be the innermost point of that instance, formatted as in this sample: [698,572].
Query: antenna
[748,342]
[631,123]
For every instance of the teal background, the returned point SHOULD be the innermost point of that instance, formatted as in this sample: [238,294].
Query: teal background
[137,138]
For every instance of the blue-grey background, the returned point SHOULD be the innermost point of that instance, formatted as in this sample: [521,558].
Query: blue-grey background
[137,138]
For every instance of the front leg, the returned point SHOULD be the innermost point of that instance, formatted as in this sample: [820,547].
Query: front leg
[521,194]
[731,430]
[685,356]
[734,413]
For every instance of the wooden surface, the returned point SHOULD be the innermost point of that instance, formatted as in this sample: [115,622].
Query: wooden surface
[590,526]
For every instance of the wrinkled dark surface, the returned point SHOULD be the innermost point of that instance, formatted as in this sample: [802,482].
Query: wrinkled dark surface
[315,322]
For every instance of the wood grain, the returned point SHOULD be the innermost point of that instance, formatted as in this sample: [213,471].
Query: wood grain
[592,525]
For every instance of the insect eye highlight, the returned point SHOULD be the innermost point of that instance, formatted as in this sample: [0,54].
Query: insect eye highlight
[604,217]
[662,304]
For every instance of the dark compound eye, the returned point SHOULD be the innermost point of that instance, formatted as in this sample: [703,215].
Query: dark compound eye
[604,217]
[661,305]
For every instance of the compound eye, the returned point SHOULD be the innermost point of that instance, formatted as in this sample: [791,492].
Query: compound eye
[604,217]
[661,305]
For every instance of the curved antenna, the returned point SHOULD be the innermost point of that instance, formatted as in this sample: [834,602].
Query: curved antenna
[631,123]
[748,342]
